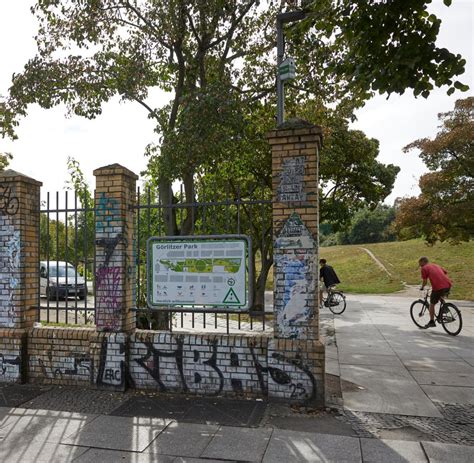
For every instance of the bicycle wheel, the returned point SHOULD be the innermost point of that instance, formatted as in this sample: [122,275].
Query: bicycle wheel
[451,318]
[337,303]
[420,313]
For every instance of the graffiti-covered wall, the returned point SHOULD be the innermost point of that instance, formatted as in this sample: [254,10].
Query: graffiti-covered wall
[196,364]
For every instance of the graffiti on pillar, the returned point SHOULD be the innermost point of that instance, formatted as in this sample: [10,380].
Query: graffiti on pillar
[291,186]
[298,376]
[107,211]
[109,245]
[109,297]
[9,203]
[112,370]
[295,282]
[294,235]
[10,280]
[109,274]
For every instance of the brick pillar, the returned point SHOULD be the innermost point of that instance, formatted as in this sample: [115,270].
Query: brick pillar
[115,232]
[19,267]
[295,148]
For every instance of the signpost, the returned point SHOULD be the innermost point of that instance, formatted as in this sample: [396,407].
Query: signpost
[199,272]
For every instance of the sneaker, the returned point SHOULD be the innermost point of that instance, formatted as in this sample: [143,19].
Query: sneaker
[431,324]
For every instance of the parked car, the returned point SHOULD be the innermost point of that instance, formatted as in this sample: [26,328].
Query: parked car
[60,280]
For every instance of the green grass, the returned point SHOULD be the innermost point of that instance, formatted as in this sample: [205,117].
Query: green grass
[401,259]
[358,272]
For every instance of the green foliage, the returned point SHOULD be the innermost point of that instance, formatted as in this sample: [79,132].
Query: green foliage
[372,45]
[445,208]
[370,226]
[5,159]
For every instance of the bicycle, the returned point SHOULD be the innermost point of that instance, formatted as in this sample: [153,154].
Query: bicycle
[449,316]
[335,300]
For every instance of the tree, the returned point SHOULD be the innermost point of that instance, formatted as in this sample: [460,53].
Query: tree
[216,58]
[370,226]
[445,208]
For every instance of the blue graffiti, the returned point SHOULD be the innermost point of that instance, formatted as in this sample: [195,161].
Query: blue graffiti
[107,211]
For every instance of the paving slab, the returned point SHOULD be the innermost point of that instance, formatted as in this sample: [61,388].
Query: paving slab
[242,444]
[441,453]
[438,365]
[25,451]
[192,409]
[183,439]
[118,433]
[325,424]
[370,359]
[382,389]
[450,394]
[391,451]
[292,446]
[111,456]
[444,379]
[44,425]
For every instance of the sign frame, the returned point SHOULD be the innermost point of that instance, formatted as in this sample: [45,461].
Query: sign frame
[208,308]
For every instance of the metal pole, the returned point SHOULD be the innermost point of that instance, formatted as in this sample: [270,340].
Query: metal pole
[280,84]
[283,18]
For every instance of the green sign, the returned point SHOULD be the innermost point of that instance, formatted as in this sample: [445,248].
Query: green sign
[199,272]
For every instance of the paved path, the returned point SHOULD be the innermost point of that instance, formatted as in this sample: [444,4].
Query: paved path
[388,365]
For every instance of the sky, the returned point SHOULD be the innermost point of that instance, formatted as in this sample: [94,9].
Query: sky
[121,133]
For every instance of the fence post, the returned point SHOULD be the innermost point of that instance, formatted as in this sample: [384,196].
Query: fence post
[115,197]
[295,148]
[19,268]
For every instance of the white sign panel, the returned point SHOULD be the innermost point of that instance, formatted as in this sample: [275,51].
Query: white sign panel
[198,272]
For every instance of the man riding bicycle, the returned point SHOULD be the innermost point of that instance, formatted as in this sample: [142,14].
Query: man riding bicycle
[440,285]
[328,275]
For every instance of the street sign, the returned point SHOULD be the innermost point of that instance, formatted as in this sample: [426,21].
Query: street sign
[287,69]
[199,272]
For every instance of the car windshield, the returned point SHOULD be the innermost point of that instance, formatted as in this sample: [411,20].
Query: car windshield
[60,271]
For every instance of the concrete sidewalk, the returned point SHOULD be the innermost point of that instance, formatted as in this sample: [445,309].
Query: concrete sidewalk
[49,436]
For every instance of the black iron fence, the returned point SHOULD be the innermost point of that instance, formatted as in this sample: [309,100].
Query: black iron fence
[67,259]
[67,253]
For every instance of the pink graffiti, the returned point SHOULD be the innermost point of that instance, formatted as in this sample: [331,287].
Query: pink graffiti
[109,295]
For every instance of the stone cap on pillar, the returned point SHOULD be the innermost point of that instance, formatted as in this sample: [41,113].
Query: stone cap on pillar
[294,127]
[115,169]
[10,175]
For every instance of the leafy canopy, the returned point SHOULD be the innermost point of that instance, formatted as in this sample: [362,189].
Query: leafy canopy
[445,208]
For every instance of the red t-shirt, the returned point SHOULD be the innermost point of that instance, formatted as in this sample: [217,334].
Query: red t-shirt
[437,276]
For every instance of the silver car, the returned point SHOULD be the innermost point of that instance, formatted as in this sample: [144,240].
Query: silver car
[60,280]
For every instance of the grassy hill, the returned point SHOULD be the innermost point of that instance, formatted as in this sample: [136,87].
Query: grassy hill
[360,274]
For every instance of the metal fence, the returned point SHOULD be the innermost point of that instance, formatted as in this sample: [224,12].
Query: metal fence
[67,260]
[67,253]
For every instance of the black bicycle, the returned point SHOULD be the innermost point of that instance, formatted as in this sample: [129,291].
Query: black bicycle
[449,316]
[335,300]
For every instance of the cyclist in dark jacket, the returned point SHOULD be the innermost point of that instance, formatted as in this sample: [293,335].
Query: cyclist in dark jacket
[328,276]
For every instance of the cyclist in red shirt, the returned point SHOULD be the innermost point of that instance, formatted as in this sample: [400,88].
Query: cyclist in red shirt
[440,285]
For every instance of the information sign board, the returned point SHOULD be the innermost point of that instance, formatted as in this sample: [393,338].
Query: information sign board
[199,272]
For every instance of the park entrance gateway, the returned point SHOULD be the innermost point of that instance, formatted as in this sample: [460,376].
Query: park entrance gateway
[202,273]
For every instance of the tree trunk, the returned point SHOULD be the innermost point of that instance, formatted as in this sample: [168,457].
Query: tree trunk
[259,290]
[187,226]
